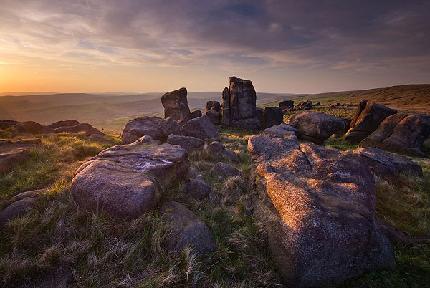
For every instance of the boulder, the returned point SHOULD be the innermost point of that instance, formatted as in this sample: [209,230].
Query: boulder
[186,142]
[196,114]
[317,126]
[239,103]
[19,205]
[85,128]
[304,105]
[366,120]
[201,128]
[224,170]
[213,111]
[388,166]
[401,132]
[186,230]
[282,130]
[217,150]
[175,105]
[272,116]
[128,180]
[197,188]
[318,208]
[286,105]
[156,127]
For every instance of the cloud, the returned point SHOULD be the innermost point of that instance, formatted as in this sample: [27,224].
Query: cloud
[272,33]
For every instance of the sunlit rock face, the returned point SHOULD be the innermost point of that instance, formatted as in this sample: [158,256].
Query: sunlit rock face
[128,180]
[318,206]
[239,104]
[175,105]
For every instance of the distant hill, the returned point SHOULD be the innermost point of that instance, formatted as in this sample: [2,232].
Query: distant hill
[105,111]
[402,97]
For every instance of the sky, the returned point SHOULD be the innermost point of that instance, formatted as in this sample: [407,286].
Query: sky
[161,45]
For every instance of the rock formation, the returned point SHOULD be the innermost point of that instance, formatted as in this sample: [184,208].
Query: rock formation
[272,116]
[318,206]
[317,126]
[175,105]
[402,132]
[213,111]
[155,127]
[201,128]
[186,142]
[366,120]
[128,180]
[239,103]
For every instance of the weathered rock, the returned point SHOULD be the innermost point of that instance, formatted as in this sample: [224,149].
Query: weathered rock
[196,114]
[216,149]
[155,127]
[19,205]
[318,206]
[175,105]
[403,133]
[197,188]
[64,123]
[213,111]
[387,165]
[85,128]
[272,116]
[316,126]
[187,230]
[281,130]
[201,128]
[128,180]
[239,102]
[305,105]
[224,170]
[286,105]
[186,142]
[366,120]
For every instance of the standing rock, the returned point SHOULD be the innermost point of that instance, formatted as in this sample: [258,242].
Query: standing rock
[272,116]
[388,166]
[317,126]
[155,127]
[239,104]
[286,105]
[175,105]
[366,120]
[403,133]
[186,142]
[318,207]
[201,128]
[128,180]
[186,230]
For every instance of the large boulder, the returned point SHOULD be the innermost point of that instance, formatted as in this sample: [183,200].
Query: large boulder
[366,120]
[128,180]
[272,116]
[239,103]
[186,142]
[201,128]
[388,166]
[156,127]
[175,105]
[318,207]
[186,230]
[402,132]
[317,126]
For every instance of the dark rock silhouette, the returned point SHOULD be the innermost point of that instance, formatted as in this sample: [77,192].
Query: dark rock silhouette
[272,116]
[175,105]
[213,111]
[286,105]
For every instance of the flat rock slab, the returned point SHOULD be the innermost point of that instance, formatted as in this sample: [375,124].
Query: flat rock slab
[318,206]
[128,180]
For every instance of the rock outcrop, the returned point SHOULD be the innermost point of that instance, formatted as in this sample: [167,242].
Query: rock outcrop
[186,230]
[156,127]
[317,126]
[201,128]
[402,132]
[175,105]
[186,142]
[318,206]
[197,188]
[239,103]
[128,180]
[366,120]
